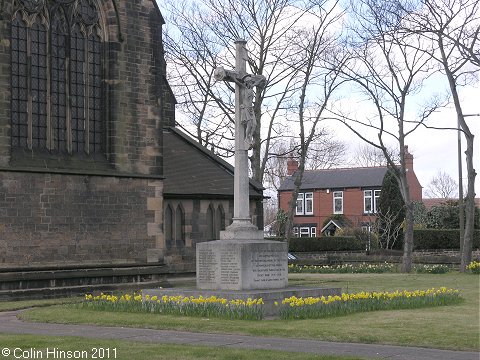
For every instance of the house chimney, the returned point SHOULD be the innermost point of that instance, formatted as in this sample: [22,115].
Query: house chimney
[292,166]
[408,160]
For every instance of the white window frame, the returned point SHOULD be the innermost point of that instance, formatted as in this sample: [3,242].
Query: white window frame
[304,231]
[305,200]
[375,199]
[313,231]
[338,195]
[365,197]
[308,203]
[299,210]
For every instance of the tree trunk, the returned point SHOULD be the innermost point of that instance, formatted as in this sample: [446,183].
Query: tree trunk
[408,239]
[293,201]
[469,206]
[466,255]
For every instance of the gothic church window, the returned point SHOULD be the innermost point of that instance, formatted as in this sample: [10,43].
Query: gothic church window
[168,226]
[174,226]
[57,63]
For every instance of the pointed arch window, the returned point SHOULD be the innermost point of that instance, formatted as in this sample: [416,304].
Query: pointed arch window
[57,64]
[210,221]
[179,227]
[219,221]
[168,226]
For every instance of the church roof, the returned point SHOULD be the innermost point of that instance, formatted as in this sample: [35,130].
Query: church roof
[338,178]
[192,170]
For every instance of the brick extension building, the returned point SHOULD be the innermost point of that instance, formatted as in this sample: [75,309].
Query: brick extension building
[92,170]
[352,192]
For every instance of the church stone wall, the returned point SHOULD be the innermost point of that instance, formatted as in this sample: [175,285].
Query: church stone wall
[62,209]
[53,219]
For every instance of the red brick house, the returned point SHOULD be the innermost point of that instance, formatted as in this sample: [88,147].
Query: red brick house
[352,192]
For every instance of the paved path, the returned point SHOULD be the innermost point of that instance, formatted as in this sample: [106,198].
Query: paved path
[10,324]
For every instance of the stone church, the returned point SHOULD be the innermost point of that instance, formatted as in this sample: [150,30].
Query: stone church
[93,171]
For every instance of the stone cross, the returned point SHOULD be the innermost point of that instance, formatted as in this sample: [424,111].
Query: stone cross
[245,125]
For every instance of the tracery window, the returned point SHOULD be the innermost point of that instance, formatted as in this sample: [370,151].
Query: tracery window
[57,63]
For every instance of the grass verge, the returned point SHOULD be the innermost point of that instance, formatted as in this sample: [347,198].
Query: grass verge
[25,304]
[126,350]
[450,327]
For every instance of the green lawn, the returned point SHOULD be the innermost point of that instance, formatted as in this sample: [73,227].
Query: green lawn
[127,350]
[451,327]
[25,304]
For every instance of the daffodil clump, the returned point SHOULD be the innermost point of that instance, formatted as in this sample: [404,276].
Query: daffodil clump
[365,268]
[250,309]
[343,268]
[431,269]
[474,267]
[338,305]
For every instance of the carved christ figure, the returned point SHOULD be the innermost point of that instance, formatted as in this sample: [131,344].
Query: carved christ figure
[248,117]
[247,83]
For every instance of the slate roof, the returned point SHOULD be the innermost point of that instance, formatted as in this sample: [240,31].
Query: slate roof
[192,170]
[368,177]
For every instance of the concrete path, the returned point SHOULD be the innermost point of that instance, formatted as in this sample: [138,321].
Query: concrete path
[10,324]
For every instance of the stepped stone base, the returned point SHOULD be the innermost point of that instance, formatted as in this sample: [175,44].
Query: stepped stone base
[269,297]
[241,265]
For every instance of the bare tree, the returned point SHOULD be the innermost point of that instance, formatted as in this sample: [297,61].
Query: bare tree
[451,29]
[389,72]
[388,229]
[326,152]
[317,48]
[442,186]
[369,156]
[199,39]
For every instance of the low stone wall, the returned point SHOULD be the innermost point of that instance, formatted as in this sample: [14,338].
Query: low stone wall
[419,257]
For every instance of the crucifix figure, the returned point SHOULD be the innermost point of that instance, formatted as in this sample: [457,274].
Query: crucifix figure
[246,83]
[245,125]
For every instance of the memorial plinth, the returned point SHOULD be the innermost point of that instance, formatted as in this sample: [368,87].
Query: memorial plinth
[242,265]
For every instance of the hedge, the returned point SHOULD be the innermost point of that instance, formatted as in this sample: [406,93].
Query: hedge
[424,239]
[326,243]
[441,239]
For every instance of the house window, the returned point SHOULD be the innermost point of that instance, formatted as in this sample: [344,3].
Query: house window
[370,201]
[56,78]
[304,232]
[376,198]
[304,204]
[338,202]
[299,210]
[308,203]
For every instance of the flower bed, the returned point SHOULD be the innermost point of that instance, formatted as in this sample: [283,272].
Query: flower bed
[310,308]
[290,308]
[364,268]
[251,309]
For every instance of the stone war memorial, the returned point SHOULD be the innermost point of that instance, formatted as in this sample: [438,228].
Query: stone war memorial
[241,259]
[242,264]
